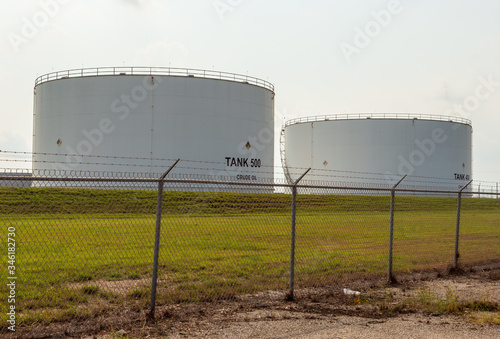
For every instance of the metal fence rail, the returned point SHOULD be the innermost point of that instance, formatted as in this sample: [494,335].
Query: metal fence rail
[81,246]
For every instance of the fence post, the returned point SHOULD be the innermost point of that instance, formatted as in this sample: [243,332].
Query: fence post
[459,206]
[391,229]
[151,314]
[292,240]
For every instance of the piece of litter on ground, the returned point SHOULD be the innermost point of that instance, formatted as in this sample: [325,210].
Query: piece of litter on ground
[351,292]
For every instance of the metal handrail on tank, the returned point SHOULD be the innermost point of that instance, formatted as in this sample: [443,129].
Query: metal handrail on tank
[359,116]
[169,71]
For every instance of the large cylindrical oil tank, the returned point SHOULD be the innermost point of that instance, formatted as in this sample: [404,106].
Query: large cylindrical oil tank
[137,119]
[371,149]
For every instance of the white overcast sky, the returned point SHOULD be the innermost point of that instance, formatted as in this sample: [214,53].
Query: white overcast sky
[427,57]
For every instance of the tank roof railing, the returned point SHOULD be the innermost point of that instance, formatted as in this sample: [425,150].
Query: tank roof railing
[360,116]
[168,71]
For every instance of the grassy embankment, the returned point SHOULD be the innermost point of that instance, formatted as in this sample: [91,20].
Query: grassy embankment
[85,252]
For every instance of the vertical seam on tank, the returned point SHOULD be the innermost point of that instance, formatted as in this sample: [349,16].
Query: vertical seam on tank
[312,143]
[33,129]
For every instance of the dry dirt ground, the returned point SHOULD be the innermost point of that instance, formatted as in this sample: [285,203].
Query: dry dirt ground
[419,305]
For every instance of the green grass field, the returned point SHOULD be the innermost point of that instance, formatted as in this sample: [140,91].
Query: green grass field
[81,252]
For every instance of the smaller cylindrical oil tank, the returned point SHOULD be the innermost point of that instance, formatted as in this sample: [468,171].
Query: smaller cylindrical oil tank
[371,149]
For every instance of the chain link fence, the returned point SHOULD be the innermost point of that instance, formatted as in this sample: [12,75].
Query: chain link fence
[83,250]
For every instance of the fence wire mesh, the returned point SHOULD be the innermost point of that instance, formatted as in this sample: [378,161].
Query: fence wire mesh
[340,236]
[424,232]
[80,246]
[479,238]
[224,245]
[79,252]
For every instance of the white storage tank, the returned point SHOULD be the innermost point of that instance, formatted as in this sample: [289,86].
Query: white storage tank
[370,149]
[137,119]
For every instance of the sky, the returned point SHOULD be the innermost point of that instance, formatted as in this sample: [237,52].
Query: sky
[323,56]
